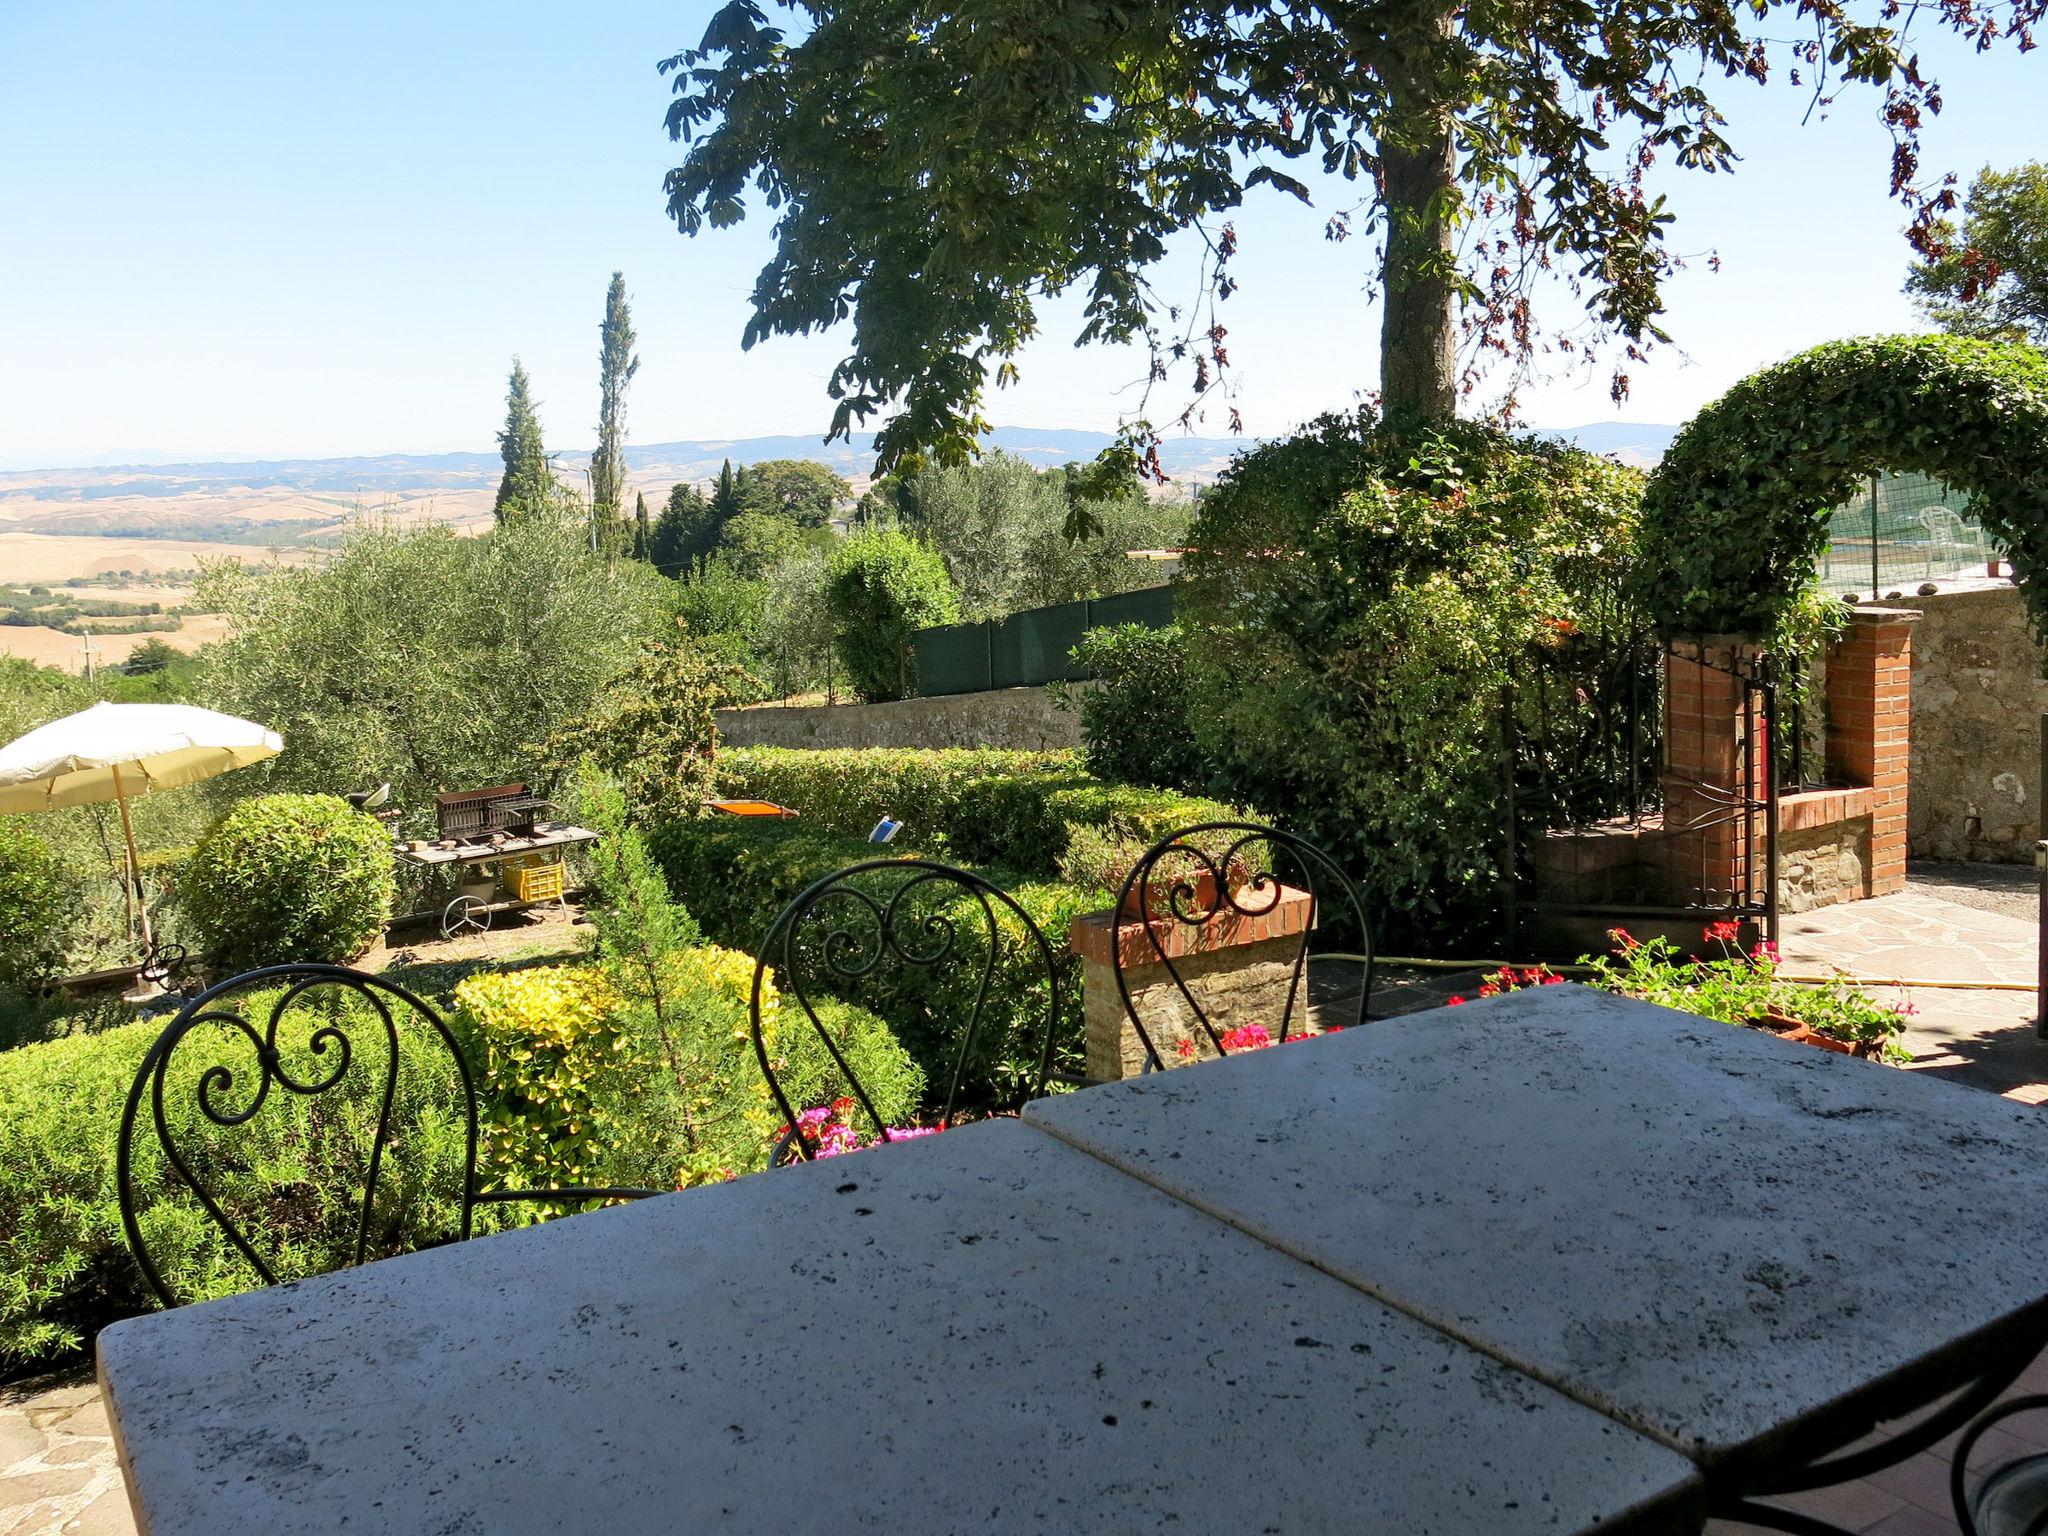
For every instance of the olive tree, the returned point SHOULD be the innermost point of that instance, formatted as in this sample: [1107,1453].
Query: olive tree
[420,656]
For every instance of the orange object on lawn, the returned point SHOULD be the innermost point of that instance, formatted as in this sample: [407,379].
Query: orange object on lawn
[750,807]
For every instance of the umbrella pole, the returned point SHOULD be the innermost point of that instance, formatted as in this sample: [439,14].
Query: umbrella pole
[134,866]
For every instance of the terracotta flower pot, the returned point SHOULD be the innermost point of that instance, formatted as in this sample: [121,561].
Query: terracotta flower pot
[1787,1028]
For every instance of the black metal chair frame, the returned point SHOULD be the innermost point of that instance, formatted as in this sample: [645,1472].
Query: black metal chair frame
[298,982]
[1738,1501]
[1959,1465]
[1182,902]
[874,931]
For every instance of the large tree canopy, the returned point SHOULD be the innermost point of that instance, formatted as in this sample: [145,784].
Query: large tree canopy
[1990,278]
[1735,519]
[935,171]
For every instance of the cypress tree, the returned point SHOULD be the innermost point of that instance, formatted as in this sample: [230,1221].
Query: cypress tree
[616,366]
[528,484]
[642,536]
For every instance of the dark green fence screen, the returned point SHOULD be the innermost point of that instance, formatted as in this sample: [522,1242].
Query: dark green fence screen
[1026,648]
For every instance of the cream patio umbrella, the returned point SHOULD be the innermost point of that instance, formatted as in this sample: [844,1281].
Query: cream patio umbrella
[113,751]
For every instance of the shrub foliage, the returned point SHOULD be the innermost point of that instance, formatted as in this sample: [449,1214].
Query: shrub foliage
[1354,606]
[37,901]
[288,878]
[882,588]
[1134,721]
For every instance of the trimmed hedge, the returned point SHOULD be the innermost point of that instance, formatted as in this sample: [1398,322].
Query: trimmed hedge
[65,1269]
[577,1090]
[737,876]
[1736,517]
[1005,810]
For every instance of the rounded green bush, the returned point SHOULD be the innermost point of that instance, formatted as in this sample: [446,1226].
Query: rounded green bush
[38,900]
[1735,519]
[288,877]
[881,589]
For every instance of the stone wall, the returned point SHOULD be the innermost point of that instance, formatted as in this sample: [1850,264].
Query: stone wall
[1022,719]
[1236,987]
[1825,861]
[1978,696]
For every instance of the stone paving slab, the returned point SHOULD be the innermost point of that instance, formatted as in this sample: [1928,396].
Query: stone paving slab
[1916,934]
[58,1474]
[981,1330]
[1712,1234]
[1982,1036]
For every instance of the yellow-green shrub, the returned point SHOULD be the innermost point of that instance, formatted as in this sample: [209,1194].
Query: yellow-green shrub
[579,1085]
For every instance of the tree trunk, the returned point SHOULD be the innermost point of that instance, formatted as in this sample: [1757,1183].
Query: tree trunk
[1418,174]
[1418,324]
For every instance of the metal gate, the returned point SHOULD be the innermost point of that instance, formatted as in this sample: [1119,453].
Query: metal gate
[1642,788]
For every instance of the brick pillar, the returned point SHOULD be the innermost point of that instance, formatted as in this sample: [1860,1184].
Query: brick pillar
[1870,710]
[1707,737]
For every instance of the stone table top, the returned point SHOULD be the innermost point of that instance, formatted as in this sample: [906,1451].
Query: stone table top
[1746,1248]
[985,1329]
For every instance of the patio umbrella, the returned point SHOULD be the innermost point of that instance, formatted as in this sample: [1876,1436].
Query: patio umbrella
[113,751]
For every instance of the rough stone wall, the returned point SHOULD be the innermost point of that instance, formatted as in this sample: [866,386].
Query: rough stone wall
[1821,865]
[1978,696]
[1022,719]
[1245,984]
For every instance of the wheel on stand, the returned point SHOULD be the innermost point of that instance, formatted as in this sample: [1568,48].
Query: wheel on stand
[465,914]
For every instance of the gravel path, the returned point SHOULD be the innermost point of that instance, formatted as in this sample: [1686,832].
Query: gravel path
[2012,890]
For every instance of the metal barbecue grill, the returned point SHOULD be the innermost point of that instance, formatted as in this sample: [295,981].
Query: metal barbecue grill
[508,842]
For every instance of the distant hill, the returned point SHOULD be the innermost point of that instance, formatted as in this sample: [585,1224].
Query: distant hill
[162,474]
[700,459]
[1642,444]
[300,503]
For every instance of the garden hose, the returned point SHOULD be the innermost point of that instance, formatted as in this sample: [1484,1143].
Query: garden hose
[1417,963]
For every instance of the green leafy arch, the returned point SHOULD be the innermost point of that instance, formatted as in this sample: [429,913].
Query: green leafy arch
[1735,520]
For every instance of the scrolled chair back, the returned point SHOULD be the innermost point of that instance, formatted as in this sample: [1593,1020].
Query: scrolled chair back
[1217,875]
[314,1117]
[879,923]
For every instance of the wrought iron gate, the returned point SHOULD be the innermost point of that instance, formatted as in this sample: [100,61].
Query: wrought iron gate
[1642,788]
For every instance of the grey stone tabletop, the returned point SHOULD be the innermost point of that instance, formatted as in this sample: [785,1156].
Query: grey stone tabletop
[982,1330]
[1746,1248]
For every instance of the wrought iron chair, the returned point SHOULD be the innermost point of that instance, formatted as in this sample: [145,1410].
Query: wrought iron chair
[342,1031]
[905,912]
[172,968]
[1222,870]
[2012,1498]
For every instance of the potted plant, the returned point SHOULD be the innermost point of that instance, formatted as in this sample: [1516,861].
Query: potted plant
[1741,987]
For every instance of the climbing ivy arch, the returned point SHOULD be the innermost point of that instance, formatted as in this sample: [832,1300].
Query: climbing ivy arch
[1735,520]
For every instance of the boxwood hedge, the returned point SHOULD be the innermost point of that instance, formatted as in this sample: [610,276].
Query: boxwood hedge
[736,876]
[1006,810]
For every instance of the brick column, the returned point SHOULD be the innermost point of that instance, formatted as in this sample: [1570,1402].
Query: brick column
[1706,739]
[1870,711]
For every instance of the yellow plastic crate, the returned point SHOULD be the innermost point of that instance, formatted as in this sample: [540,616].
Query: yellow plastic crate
[538,882]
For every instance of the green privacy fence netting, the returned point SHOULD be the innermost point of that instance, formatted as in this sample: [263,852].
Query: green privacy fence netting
[1903,530]
[1027,648]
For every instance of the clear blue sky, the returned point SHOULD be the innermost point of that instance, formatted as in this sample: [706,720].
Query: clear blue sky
[324,229]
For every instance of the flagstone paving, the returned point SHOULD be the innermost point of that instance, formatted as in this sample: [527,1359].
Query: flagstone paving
[1978,1026]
